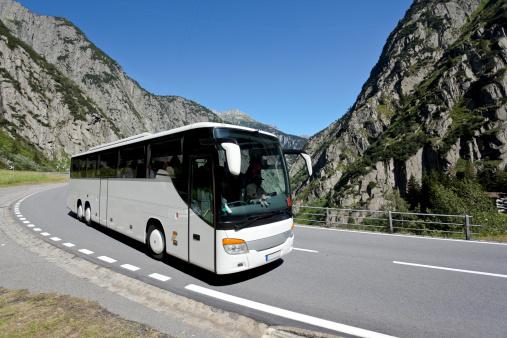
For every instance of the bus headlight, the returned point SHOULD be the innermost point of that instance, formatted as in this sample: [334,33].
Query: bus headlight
[234,246]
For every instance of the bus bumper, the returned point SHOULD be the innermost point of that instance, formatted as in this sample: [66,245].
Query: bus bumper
[253,259]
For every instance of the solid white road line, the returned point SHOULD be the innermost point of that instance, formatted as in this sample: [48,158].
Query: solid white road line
[327,324]
[451,269]
[30,225]
[69,245]
[37,229]
[159,277]
[45,234]
[107,259]
[305,250]
[130,267]
[85,251]
[396,235]
[56,239]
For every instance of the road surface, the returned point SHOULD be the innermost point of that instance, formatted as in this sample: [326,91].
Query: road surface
[335,281]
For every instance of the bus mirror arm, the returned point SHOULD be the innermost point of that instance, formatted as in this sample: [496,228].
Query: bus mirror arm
[305,156]
[233,155]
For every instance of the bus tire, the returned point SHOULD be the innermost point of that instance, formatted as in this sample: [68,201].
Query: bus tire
[88,214]
[79,212]
[155,241]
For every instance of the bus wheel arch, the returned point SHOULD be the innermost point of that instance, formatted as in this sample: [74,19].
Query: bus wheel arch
[155,239]
[79,210]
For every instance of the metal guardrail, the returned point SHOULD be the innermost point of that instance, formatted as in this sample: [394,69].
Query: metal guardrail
[387,221]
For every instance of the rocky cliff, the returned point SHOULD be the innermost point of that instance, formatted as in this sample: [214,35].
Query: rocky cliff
[60,94]
[435,99]
[237,117]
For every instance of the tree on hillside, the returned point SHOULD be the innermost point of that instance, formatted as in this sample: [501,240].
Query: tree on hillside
[413,196]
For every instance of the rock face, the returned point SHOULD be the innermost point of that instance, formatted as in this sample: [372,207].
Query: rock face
[61,94]
[239,118]
[437,96]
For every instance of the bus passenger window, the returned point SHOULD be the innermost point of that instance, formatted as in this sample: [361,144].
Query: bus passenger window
[132,163]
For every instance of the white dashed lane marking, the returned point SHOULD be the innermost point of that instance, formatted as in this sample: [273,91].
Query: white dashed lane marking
[130,267]
[159,277]
[107,259]
[69,245]
[26,222]
[451,269]
[37,229]
[85,251]
[45,234]
[56,239]
[30,225]
[305,250]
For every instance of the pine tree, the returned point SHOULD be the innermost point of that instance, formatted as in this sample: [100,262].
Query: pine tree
[413,193]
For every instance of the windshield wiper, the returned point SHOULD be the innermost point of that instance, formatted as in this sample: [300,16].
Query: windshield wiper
[253,219]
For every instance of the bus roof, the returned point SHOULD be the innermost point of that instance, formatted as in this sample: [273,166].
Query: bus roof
[148,136]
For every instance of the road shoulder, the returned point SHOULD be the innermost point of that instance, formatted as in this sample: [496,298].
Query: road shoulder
[31,263]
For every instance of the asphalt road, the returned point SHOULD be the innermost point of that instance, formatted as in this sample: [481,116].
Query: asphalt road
[340,282]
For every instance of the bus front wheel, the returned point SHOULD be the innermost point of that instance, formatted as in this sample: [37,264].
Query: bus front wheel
[155,241]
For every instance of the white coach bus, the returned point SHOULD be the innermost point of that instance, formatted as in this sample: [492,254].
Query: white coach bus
[214,195]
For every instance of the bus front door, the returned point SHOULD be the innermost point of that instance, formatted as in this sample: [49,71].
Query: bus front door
[201,216]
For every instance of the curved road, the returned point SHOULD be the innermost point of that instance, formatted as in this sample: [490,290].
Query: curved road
[337,281]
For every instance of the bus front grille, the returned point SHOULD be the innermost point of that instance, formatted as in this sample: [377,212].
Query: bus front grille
[268,242]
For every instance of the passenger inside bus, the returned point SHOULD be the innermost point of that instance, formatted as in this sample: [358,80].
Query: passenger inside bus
[253,178]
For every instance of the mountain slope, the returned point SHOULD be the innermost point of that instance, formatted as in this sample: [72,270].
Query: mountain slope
[239,118]
[61,94]
[435,98]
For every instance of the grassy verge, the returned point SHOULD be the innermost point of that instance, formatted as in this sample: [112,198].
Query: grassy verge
[23,314]
[10,177]
[492,238]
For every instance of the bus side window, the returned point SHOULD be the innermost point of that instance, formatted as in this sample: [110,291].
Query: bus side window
[91,166]
[166,163]
[132,163]
[108,163]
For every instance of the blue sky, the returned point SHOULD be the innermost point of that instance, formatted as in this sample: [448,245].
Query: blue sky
[297,65]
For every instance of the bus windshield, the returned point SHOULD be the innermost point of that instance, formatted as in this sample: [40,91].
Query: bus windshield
[262,186]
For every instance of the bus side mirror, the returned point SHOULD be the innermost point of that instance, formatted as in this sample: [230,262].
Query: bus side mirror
[305,156]
[233,155]
[308,162]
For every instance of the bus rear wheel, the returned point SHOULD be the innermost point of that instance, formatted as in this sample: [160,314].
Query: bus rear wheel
[155,241]
[80,211]
[88,215]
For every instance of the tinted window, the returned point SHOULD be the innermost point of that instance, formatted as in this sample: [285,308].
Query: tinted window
[202,189]
[108,162]
[132,162]
[91,165]
[81,165]
[166,162]
[74,168]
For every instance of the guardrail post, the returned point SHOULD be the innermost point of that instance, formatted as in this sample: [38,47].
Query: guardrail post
[466,228]
[328,221]
[390,221]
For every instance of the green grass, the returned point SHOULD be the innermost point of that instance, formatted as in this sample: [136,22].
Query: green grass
[23,314]
[11,177]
